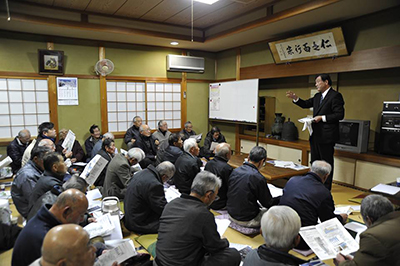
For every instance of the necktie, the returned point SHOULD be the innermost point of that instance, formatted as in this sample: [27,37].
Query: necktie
[320,101]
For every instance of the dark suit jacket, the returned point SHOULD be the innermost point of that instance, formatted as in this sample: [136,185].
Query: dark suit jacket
[150,153]
[332,108]
[220,167]
[187,168]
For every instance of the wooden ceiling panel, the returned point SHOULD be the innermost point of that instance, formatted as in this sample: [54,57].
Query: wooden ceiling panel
[42,2]
[136,8]
[166,9]
[228,12]
[199,10]
[72,4]
[105,6]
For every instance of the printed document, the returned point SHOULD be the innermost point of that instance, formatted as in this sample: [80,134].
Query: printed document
[171,193]
[197,137]
[93,169]
[104,226]
[119,254]
[69,140]
[328,239]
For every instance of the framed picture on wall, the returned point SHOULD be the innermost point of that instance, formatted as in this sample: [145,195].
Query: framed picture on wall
[51,62]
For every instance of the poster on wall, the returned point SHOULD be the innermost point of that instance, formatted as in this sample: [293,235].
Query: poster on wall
[67,91]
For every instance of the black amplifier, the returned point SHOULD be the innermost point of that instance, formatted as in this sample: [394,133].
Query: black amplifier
[389,137]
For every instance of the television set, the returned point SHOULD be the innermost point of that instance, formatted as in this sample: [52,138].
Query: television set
[353,136]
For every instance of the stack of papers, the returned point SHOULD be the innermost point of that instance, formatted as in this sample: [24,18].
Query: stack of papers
[289,164]
[104,226]
[119,254]
[386,189]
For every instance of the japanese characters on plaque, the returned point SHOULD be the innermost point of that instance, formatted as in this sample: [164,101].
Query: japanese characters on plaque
[318,45]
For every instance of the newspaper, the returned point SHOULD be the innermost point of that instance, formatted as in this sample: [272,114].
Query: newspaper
[102,227]
[69,140]
[328,239]
[93,169]
[119,254]
[197,137]
[171,193]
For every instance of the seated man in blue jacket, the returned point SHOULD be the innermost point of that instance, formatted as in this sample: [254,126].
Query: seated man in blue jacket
[246,187]
[308,196]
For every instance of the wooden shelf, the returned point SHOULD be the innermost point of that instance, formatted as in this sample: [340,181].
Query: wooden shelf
[304,146]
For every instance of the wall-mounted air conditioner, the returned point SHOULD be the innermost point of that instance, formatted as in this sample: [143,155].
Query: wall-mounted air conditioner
[182,63]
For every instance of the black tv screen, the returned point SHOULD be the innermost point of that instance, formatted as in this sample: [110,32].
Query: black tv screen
[348,133]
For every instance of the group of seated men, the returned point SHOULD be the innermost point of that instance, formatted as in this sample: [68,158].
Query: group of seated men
[186,229]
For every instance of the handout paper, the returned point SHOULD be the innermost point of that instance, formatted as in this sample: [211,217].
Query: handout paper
[222,225]
[119,254]
[197,137]
[93,169]
[171,193]
[213,145]
[69,140]
[103,226]
[5,162]
[275,191]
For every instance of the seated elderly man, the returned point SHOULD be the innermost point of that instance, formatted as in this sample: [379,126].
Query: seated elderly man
[308,196]
[162,134]
[54,172]
[187,166]
[280,227]
[25,180]
[380,243]
[70,207]
[247,187]
[132,134]
[220,167]
[107,152]
[187,131]
[95,136]
[148,145]
[172,152]
[145,198]
[42,143]
[119,173]
[99,144]
[17,147]
[76,155]
[188,234]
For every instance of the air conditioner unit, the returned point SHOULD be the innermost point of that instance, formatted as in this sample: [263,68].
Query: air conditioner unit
[182,63]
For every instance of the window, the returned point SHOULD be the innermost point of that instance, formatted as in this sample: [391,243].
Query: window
[24,103]
[126,100]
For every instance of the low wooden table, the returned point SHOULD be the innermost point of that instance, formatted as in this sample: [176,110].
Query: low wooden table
[269,171]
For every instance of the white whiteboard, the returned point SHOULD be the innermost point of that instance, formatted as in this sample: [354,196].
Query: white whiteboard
[234,100]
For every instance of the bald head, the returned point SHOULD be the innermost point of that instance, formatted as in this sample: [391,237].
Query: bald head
[47,143]
[24,136]
[70,207]
[67,244]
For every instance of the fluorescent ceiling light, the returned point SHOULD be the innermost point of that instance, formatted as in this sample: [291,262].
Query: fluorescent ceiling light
[208,2]
[174,43]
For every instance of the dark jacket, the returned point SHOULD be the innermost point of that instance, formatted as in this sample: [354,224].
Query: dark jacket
[308,196]
[131,133]
[186,168]
[8,236]
[77,151]
[23,185]
[89,144]
[265,256]
[185,135]
[102,176]
[46,182]
[332,108]
[187,232]
[205,150]
[144,202]
[117,177]
[220,167]
[48,198]
[149,148]
[29,243]
[246,186]
[170,154]
[15,150]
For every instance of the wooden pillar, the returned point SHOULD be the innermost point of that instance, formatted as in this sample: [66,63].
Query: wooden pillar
[103,95]
[52,88]
[183,96]
[237,129]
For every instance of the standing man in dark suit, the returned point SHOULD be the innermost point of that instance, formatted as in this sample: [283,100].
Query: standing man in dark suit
[327,111]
